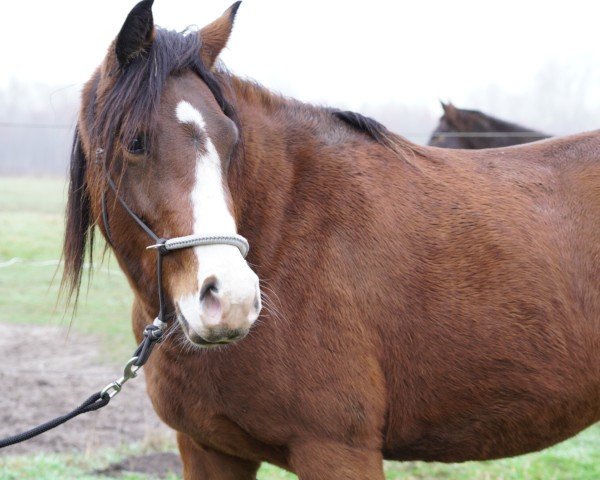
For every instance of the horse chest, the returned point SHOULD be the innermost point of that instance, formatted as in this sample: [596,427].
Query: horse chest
[183,400]
[228,406]
[193,403]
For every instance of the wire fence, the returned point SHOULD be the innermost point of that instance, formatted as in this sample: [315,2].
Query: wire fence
[48,126]
[33,263]
[60,126]
[17,261]
[487,134]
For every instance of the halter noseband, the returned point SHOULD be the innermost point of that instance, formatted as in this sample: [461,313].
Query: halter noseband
[188,241]
[153,333]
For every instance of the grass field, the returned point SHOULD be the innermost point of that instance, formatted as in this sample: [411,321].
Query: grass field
[31,224]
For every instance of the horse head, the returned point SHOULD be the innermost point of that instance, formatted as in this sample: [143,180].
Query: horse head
[156,140]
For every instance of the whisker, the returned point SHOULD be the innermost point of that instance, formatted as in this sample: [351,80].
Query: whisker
[271,309]
[272,291]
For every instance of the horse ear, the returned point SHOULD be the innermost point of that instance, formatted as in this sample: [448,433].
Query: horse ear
[136,34]
[450,110]
[215,35]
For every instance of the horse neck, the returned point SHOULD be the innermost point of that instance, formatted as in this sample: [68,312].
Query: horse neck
[262,179]
[288,148]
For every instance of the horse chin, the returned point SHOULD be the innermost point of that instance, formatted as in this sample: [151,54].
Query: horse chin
[199,341]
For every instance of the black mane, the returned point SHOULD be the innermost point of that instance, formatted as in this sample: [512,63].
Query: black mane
[373,129]
[368,125]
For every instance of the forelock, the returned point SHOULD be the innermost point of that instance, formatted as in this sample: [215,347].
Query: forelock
[127,99]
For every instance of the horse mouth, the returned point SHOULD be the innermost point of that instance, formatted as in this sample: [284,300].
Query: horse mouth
[217,339]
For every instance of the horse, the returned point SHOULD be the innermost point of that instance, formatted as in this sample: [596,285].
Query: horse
[472,129]
[397,302]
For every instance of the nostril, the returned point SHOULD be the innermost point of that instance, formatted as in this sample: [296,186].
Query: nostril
[210,303]
[209,286]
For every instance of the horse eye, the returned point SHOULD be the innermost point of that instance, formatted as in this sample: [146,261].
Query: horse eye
[138,145]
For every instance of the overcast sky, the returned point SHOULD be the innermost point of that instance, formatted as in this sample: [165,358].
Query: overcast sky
[340,52]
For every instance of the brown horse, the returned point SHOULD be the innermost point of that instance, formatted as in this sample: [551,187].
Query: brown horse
[471,129]
[422,303]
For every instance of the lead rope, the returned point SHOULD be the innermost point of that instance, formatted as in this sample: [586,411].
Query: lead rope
[153,333]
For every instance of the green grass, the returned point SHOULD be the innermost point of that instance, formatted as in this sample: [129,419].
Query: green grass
[80,467]
[62,467]
[70,466]
[31,225]
[575,459]
[31,230]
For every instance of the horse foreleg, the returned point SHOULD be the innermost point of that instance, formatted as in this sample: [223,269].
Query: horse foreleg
[200,463]
[320,460]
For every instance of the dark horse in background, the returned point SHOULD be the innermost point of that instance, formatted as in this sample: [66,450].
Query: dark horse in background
[424,303]
[471,129]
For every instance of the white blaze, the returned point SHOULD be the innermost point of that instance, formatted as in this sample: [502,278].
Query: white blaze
[211,214]
[236,281]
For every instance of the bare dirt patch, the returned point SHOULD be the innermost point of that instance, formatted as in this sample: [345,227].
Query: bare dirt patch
[46,372]
[159,465]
